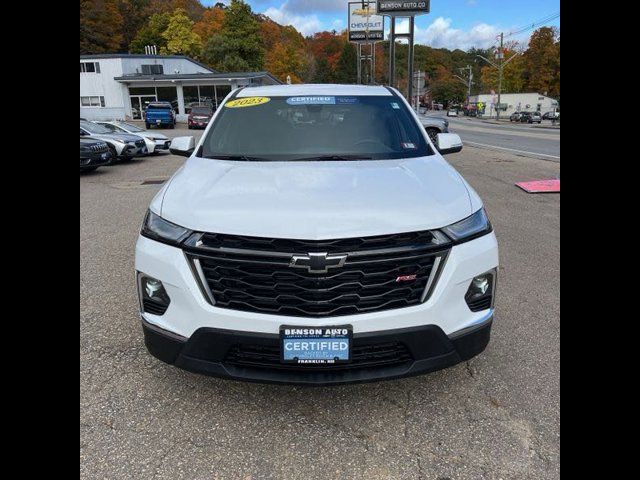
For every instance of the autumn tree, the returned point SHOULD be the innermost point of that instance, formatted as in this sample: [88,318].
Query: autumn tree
[209,24]
[152,33]
[346,69]
[446,89]
[179,36]
[193,8]
[134,16]
[238,46]
[543,61]
[100,26]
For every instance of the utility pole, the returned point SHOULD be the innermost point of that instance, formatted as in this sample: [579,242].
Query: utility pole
[392,53]
[410,52]
[500,66]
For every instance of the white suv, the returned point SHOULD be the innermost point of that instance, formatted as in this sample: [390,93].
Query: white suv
[316,235]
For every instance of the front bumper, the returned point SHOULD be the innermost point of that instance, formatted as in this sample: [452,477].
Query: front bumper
[254,357]
[90,160]
[162,144]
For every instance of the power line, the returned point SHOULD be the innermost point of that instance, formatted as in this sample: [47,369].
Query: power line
[533,25]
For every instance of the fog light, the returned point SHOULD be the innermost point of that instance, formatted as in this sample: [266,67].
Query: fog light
[153,296]
[480,295]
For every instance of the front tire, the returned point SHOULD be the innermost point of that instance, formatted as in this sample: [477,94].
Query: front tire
[114,154]
[433,134]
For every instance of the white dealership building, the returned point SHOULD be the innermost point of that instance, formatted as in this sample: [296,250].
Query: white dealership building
[514,102]
[118,86]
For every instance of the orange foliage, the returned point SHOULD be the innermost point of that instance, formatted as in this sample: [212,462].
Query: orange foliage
[210,23]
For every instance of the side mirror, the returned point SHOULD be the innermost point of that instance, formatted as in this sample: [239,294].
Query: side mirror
[448,143]
[183,146]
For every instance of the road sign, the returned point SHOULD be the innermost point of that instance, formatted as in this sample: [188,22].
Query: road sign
[365,25]
[403,8]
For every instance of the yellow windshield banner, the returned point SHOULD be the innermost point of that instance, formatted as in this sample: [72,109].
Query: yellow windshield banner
[246,102]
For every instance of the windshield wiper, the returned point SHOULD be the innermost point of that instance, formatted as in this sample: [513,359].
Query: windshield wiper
[238,157]
[333,157]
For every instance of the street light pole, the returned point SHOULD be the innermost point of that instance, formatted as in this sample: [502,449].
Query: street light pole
[500,66]
[500,55]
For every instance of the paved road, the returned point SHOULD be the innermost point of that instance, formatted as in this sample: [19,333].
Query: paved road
[519,139]
[495,417]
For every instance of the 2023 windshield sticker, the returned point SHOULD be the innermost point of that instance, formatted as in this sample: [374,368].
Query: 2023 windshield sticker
[247,102]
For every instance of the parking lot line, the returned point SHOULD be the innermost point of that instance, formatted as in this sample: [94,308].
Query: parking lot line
[524,152]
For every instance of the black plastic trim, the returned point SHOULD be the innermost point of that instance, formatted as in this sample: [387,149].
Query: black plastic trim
[205,351]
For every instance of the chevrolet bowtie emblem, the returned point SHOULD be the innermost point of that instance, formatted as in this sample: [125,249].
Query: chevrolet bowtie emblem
[317,262]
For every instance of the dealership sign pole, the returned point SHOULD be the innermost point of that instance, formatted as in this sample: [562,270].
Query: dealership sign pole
[365,27]
[402,8]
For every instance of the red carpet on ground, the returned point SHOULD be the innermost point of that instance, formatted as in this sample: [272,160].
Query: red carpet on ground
[540,186]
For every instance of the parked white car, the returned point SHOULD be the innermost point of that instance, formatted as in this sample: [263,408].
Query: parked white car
[452,113]
[156,142]
[315,235]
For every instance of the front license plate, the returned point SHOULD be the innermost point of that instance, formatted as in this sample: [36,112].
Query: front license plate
[104,156]
[315,345]
[158,122]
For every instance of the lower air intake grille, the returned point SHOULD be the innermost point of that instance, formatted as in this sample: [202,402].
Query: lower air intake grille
[481,304]
[364,356]
[153,307]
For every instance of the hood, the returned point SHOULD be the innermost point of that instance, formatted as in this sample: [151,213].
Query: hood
[122,137]
[153,136]
[314,200]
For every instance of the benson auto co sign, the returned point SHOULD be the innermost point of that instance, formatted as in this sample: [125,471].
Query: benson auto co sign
[365,25]
[403,8]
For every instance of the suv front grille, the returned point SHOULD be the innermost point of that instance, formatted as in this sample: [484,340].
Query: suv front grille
[254,274]
[99,147]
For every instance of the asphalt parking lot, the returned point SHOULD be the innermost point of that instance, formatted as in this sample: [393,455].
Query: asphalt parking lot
[494,417]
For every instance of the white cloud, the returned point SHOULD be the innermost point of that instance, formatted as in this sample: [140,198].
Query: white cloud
[440,34]
[305,6]
[305,24]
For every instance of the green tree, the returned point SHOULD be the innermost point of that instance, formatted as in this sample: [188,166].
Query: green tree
[180,37]
[346,69]
[238,46]
[100,26]
[152,33]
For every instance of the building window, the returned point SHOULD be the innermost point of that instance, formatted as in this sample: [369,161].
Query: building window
[89,67]
[152,69]
[168,94]
[96,101]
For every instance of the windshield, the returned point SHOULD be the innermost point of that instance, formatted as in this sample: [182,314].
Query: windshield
[315,128]
[201,111]
[93,127]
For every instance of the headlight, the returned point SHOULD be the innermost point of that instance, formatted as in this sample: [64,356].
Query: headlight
[158,228]
[472,226]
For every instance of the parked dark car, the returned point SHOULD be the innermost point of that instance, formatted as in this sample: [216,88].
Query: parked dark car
[123,146]
[199,116]
[93,154]
[160,114]
[531,117]
[551,115]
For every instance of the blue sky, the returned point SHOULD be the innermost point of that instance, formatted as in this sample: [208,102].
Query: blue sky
[451,23]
